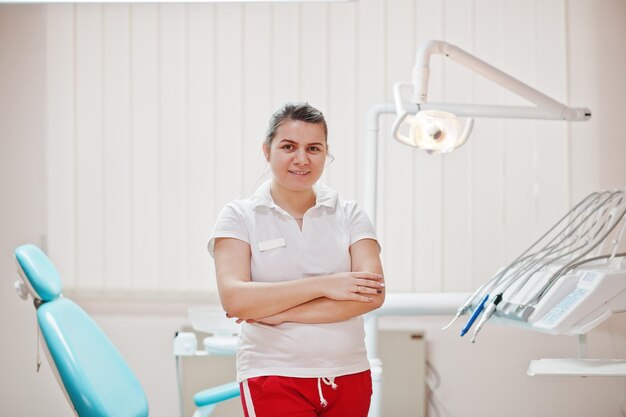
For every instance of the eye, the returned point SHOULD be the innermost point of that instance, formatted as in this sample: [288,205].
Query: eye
[315,148]
[287,147]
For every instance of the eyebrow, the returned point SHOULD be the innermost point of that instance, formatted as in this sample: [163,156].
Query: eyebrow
[295,143]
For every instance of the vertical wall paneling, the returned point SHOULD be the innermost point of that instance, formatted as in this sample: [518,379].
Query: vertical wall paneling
[156,114]
[341,98]
[585,155]
[371,88]
[399,182]
[520,162]
[145,146]
[116,138]
[256,108]
[428,169]
[89,146]
[286,53]
[314,63]
[173,143]
[590,83]
[487,142]
[228,96]
[60,140]
[200,173]
[456,176]
[550,136]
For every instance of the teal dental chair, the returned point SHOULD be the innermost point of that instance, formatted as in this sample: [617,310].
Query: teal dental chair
[93,375]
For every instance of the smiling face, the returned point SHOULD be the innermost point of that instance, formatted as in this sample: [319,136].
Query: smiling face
[297,154]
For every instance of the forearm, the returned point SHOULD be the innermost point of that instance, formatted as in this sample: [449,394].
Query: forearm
[246,299]
[253,300]
[325,310]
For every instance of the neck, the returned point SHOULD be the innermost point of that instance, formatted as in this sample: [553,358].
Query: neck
[295,203]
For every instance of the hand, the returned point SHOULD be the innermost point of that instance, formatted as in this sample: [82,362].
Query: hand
[238,320]
[271,320]
[353,286]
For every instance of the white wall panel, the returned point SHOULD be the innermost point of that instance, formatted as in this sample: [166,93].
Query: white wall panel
[229,96]
[256,108]
[371,87]
[89,146]
[116,145]
[341,106]
[428,253]
[173,144]
[314,57]
[457,181]
[200,174]
[397,164]
[163,110]
[60,139]
[145,146]
[550,138]
[519,145]
[286,53]
[487,149]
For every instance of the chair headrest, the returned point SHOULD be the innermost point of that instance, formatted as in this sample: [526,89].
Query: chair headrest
[38,272]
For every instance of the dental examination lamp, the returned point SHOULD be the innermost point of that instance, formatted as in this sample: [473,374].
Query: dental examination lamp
[435,127]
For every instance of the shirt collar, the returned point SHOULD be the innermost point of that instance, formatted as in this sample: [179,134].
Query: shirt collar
[325,196]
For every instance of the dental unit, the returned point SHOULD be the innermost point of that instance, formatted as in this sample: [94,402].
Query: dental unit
[435,128]
[570,280]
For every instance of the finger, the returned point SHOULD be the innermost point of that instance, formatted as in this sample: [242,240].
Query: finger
[369,283]
[368,274]
[367,290]
[361,298]
[239,321]
[371,290]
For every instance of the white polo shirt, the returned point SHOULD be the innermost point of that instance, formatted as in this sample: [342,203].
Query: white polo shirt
[281,252]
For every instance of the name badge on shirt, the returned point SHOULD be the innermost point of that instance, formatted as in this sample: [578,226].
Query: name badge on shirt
[272,244]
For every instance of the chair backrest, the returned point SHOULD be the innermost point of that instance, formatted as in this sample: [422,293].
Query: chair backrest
[95,377]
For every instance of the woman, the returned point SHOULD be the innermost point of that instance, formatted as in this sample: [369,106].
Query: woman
[299,267]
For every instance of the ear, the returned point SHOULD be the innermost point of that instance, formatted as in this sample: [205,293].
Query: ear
[266,151]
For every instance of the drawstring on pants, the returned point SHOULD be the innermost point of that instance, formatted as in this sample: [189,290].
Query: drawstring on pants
[327,381]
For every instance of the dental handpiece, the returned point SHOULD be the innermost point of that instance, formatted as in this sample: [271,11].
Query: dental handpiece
[487,315]
[474,315]
[466,305]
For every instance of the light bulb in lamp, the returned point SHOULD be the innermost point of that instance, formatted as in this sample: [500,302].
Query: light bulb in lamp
[437,131]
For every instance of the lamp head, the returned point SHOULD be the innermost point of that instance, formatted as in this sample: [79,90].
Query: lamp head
[434,131]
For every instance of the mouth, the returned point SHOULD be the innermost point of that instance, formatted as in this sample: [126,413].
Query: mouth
[297,172]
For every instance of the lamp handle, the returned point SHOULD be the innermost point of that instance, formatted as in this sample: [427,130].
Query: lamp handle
[467,130]
[395,129]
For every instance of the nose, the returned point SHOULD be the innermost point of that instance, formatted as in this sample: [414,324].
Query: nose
[301,157]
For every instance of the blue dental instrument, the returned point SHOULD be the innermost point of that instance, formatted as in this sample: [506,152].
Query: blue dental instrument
[474,316]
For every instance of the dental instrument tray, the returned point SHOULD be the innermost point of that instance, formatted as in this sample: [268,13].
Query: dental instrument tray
[569,281]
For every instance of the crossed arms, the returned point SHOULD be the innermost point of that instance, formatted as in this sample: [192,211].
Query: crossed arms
[319,299]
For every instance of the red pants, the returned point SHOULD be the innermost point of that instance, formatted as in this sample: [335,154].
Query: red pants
[278,396]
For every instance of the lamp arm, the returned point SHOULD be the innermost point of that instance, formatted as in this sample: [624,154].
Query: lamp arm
[421,74]
[421,69]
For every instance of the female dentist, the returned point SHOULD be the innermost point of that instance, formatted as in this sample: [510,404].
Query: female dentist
[299,266]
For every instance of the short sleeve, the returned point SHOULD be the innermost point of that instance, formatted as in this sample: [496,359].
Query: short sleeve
[361,226]
[231,222]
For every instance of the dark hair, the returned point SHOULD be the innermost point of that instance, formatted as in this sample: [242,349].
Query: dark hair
[302,112]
